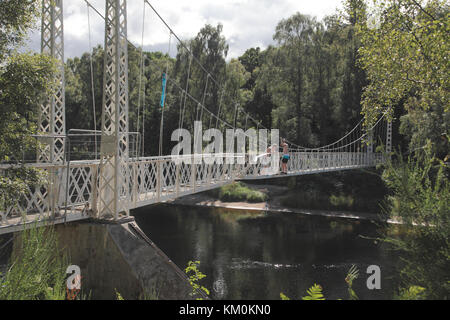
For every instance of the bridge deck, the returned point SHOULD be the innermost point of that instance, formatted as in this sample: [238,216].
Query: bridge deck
[72,194]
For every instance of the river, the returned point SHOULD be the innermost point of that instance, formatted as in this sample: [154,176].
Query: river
[254,255]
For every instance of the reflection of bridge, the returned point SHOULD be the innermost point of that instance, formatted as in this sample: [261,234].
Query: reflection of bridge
[113,185]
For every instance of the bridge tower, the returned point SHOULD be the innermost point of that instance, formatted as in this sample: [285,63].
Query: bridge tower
[52,116]
[114,193]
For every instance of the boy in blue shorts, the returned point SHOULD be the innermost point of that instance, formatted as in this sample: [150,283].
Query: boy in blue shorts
[285,158]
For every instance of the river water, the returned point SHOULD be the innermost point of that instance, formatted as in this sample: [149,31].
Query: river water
[254,255]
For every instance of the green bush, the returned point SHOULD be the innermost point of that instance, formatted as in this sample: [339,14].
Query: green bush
[342,202]
[420,197]
[240,192]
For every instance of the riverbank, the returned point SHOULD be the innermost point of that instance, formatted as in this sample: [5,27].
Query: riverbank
[275,194]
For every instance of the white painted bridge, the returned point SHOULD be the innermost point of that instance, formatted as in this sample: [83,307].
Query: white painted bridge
[153,180]
[115,183]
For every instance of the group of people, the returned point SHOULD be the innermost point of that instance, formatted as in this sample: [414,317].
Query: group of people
[285,154]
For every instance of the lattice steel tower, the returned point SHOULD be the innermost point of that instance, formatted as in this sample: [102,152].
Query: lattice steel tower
[52,116]
[114,193]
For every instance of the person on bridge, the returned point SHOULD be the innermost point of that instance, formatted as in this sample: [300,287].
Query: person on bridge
[285,158]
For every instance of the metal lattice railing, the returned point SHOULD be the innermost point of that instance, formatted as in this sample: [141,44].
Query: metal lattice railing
[70,192]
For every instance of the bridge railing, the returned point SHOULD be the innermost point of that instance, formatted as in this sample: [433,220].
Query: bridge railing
[48,199]
[315,161]
[160,179]
[70,192]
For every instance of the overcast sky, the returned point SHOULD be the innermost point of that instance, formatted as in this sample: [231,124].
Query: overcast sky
[246,23]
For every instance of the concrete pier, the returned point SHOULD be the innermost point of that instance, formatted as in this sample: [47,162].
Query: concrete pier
[118,256]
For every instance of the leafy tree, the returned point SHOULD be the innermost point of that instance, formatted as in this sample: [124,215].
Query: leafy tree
[16,18]
[24,81]
[405,55]
[294,35]
[251,60]
[209,51]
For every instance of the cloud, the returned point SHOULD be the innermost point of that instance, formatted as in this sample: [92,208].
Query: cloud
[246,23]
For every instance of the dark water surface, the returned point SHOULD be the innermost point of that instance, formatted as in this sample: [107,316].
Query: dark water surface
[248,255]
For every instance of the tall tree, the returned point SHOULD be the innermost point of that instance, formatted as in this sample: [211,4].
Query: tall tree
[294,35]
[405,54]
[25,79]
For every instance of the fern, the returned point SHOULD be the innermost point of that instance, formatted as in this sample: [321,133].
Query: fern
[352,275]
[284,297]
[119,296]
[314,293]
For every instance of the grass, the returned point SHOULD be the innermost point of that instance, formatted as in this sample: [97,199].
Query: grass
[37,269]
[239,191]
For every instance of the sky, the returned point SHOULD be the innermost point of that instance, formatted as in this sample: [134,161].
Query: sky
[246,23]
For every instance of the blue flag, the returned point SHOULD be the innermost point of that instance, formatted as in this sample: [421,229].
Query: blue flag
[163,94]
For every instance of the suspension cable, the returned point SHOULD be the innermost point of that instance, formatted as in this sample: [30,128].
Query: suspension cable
[187,95]
[170,80]
[141,71]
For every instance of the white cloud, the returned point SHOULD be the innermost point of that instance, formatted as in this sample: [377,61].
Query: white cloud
[247,23]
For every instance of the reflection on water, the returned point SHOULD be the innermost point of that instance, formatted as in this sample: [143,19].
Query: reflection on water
[249,255]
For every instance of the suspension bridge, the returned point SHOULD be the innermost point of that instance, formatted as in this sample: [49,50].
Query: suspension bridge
[119,177]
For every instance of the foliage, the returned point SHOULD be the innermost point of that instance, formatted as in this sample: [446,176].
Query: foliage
[349,191]
[420,198]
[16,18]
[310,72]
[314,293]
[151,294]
[118,296]
[25,79]
[352,275]
[341,201]
[283,296]
[411,293]
[195,275]
[37,269]
[238,191]
[405,56]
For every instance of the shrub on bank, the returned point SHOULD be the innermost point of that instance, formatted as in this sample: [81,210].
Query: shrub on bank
[316,200]
[240,192]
